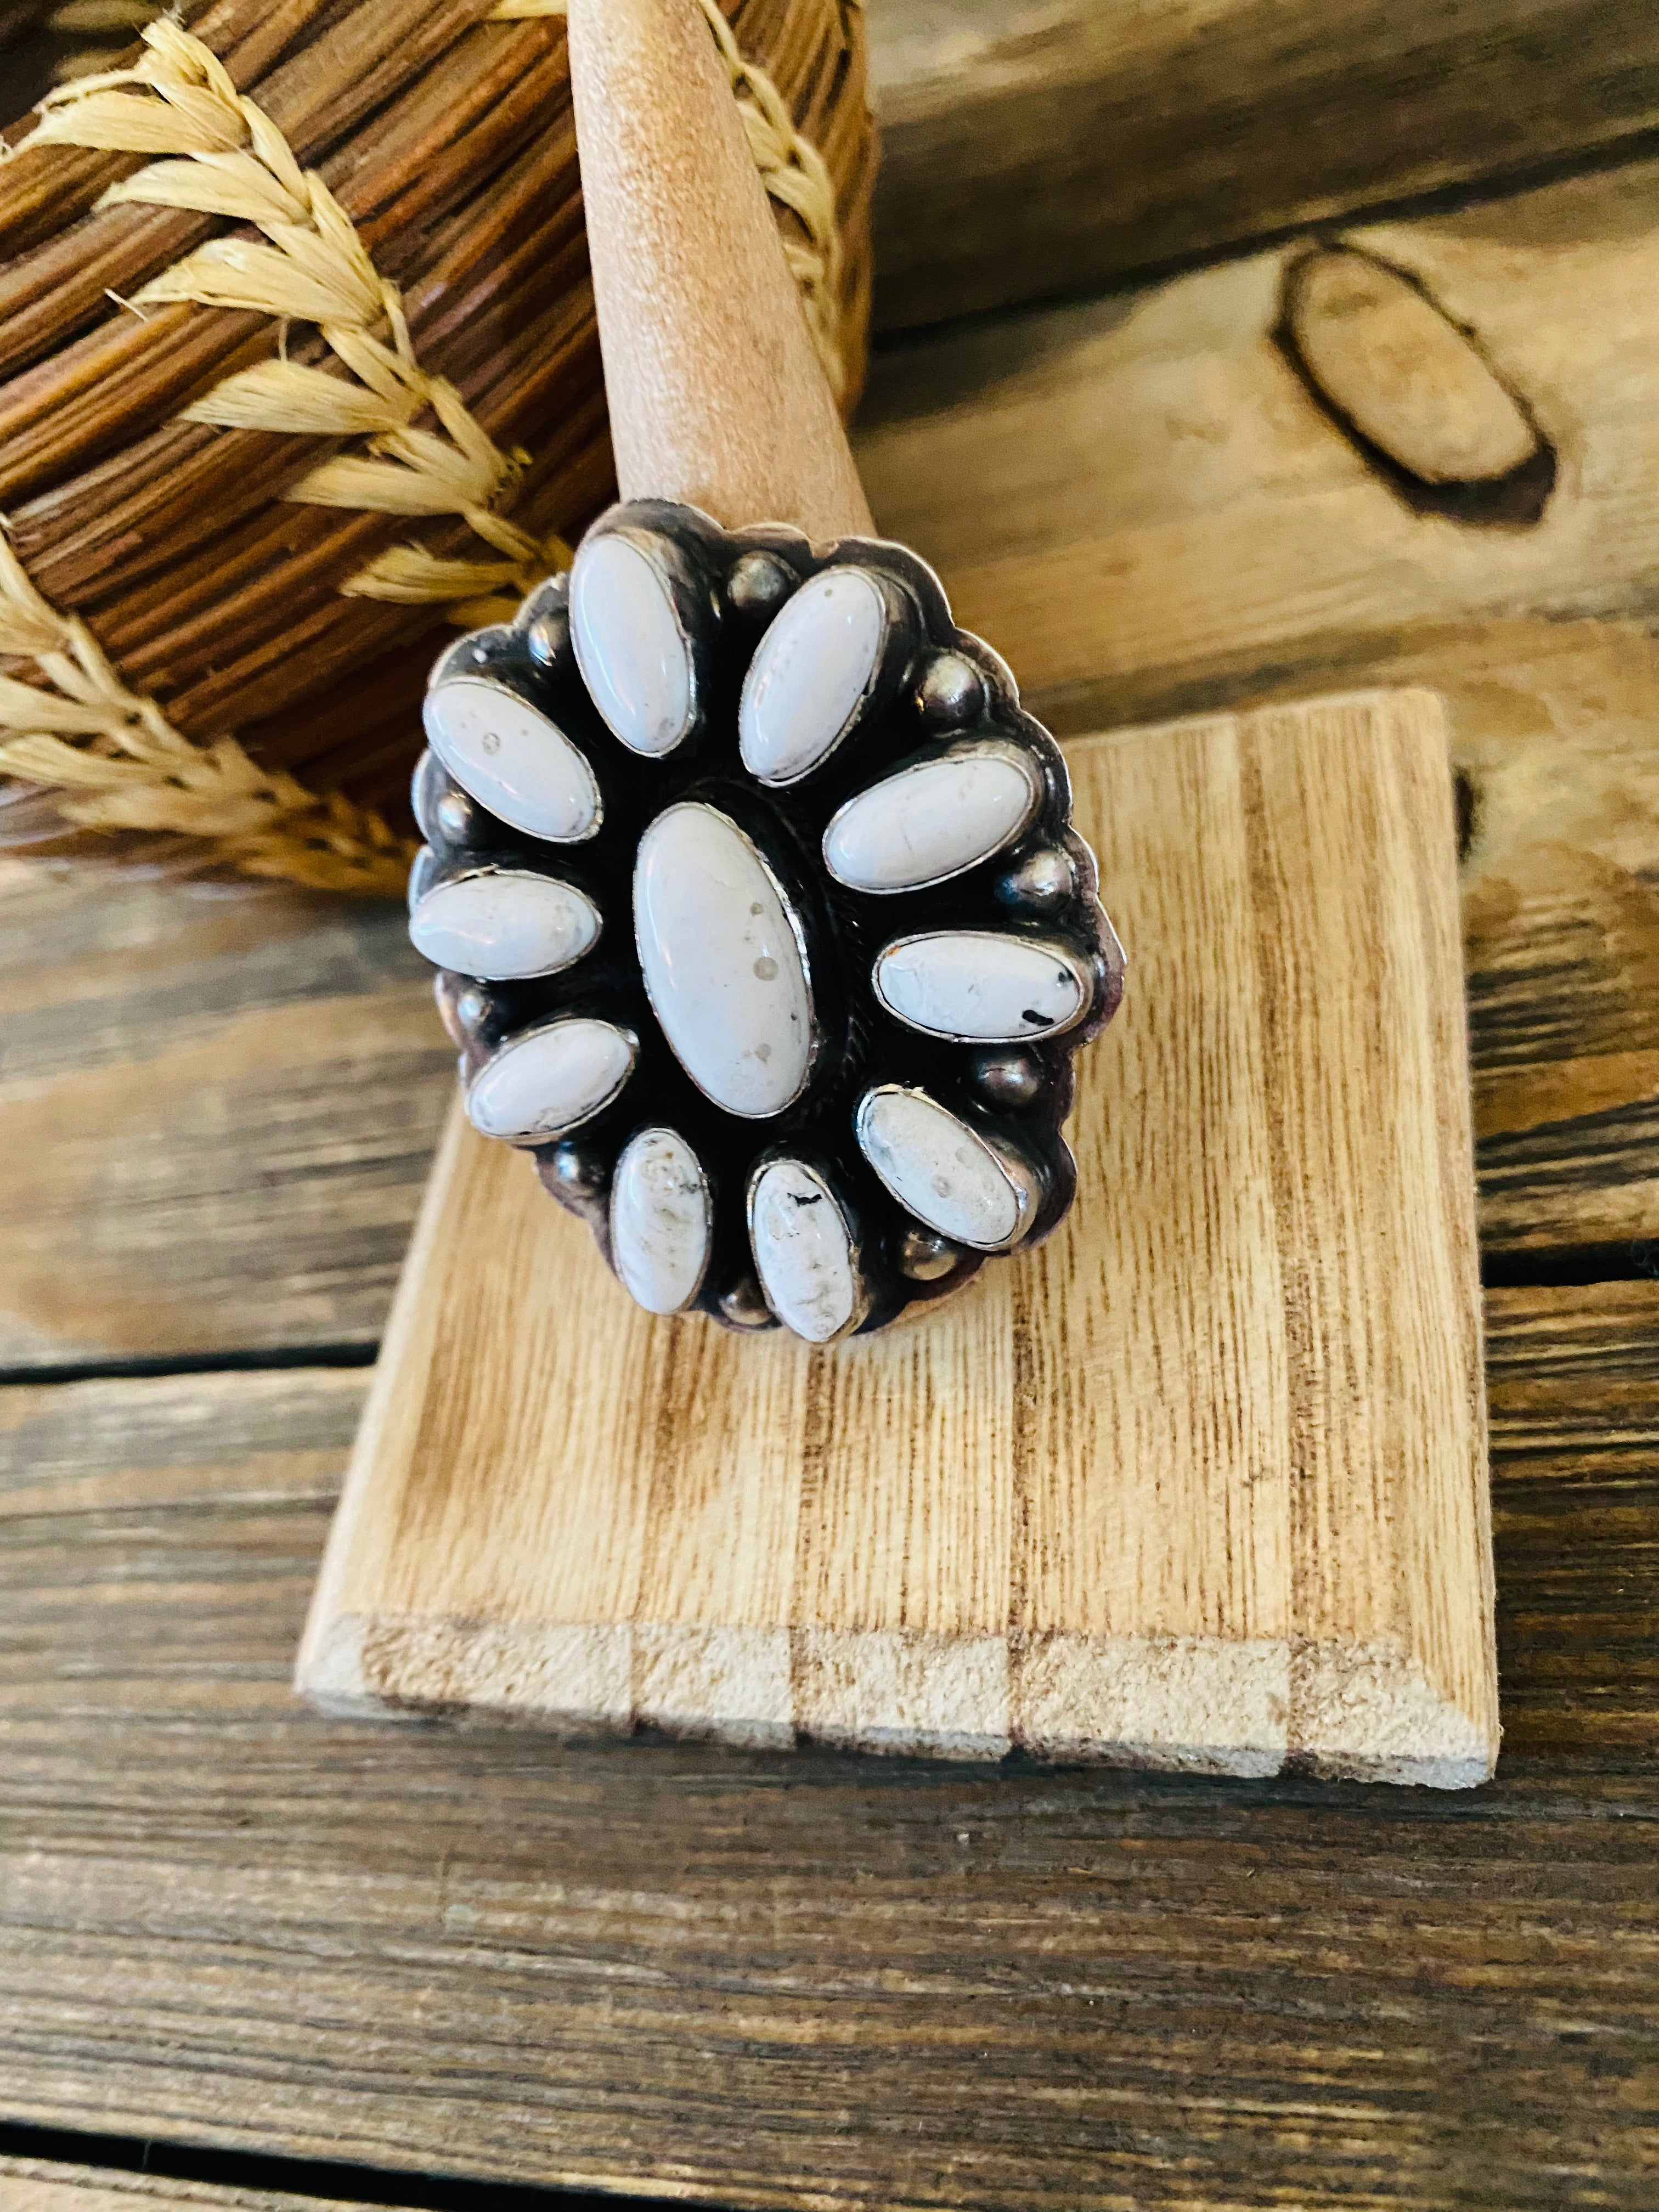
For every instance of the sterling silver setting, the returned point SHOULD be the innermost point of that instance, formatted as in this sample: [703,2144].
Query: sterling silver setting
[761,920]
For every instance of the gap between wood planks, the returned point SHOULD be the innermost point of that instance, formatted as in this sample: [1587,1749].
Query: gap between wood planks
[1035,146]
[1457,199]
[205,1363]
[1568,1267]
[60,2170]
[1572,1266]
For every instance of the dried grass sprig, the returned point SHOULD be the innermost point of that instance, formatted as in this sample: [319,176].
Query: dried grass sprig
[81,730]
[407,444]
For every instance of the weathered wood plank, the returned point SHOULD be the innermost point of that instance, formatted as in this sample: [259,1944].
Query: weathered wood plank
[1153,507]
[823,1980]
[215,1112]
[1573,1385]
[1061,145]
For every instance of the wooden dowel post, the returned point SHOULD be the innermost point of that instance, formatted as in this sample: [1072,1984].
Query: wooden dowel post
[715,393]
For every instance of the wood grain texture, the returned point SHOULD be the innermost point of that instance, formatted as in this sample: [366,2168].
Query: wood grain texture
[1058,146]
[823,1981]
[30,2184]
[216,1112]
[1153,505]
[1555,732]
[1200,1483]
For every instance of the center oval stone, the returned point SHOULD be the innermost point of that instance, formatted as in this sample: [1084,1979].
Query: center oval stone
[722,961]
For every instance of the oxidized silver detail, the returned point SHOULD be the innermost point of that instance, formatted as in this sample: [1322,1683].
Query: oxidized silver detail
[823,1075]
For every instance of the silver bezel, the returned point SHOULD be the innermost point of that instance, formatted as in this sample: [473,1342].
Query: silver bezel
[529,1138]
[1011,1164]
[782,1155]
[664,1129]
[797,930]
[1062,955]
[961,748]
[488,683]
[490,873]
[893,611]
[666,564]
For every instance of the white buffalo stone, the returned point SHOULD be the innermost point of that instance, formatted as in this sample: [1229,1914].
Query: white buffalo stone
[503,924]
[721,961]
[511,759]
[934,820]
[632,654]
[551,1080]
[810,674]
[942,1171]
[661,1220]
[980,987]
[804,1251]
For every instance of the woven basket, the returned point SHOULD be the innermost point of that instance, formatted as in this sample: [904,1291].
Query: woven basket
[300,364]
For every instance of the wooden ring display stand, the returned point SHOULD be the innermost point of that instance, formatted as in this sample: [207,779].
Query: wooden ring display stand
[1202,1482]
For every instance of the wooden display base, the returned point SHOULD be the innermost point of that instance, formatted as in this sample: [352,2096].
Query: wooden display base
[1199,1483]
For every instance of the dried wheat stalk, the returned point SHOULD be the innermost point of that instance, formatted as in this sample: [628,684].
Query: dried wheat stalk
[84,732]
[373,427]
[233,162]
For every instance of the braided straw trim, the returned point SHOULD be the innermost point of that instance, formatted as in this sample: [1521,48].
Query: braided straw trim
[234,162]
[222,155]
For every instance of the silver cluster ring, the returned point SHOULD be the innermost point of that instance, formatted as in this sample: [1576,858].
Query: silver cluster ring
[760,918]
